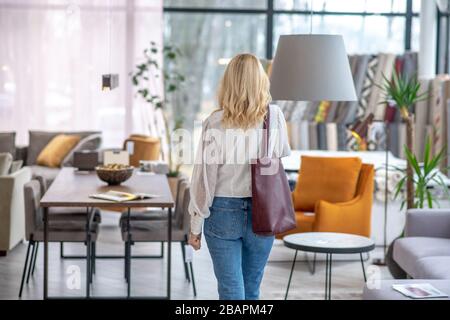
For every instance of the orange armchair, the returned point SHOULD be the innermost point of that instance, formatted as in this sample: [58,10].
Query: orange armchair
[350,216]
[144,148]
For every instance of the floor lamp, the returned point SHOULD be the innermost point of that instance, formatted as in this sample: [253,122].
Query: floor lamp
[388,119]
[309,67]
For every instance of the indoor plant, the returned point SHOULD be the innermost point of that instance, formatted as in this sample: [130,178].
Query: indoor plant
[404,92]
[144,78]
[424,173]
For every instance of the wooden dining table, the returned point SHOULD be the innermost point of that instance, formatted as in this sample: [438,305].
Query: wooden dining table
[73,188]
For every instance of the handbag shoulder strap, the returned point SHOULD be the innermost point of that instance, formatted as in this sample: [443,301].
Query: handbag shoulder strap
[266,132]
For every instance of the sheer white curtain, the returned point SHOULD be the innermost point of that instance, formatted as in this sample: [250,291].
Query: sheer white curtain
[52,56]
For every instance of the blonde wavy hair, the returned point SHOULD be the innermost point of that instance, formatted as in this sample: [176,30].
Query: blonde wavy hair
[243,93]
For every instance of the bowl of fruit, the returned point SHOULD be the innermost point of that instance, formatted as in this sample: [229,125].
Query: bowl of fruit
[114,174]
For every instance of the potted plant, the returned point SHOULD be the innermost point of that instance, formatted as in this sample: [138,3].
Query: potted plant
[404,92]
[144,76]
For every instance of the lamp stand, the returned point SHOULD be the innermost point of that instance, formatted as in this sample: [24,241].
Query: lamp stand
[382,261]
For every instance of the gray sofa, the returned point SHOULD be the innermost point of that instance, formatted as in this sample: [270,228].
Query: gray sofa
[90,140]
[424,252]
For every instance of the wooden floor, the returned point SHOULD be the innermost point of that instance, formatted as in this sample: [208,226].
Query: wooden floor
[149,276]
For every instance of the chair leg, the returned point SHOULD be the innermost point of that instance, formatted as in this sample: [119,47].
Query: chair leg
[94,253]
[125,265]
[129,268]
[312,268]
[183,253]
[25,268]
[33,251]
[61,250]
[193,280]
[35,258]
[162,249]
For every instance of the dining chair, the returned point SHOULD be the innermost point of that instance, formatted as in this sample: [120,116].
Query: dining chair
[156,230]
[158,215]
[61,228]
[66,213]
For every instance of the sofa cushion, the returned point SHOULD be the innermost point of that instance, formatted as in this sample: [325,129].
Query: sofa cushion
[56,150]
[49,174]
[91,142]
[6,160]
[39,139]
[384,291]
[16,166]
[324,178]
[8,142]
[433,268]
[407,251]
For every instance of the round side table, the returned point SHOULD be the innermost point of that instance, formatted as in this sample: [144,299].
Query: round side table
[329,243]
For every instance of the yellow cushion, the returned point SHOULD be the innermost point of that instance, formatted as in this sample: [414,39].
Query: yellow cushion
[329,179]
[56,150]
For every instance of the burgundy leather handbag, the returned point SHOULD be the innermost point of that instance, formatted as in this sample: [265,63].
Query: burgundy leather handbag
[272,210]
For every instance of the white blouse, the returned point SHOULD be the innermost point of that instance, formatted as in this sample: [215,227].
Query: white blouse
[222,164]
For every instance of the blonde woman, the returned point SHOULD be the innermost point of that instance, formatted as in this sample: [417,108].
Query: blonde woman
[221,182]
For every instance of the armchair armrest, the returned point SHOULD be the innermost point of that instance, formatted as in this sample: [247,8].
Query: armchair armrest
[353,216]
[12,212]
[428,223]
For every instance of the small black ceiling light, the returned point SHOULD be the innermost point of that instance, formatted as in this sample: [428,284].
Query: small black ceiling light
[110,80]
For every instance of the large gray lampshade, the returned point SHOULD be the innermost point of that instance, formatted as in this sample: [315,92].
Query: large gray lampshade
[311,68]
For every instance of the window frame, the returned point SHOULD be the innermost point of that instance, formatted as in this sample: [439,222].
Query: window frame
[270,13]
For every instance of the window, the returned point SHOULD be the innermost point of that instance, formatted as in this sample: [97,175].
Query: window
[362,34]
[211,31]
[377,6]
[242,4]
[207,42]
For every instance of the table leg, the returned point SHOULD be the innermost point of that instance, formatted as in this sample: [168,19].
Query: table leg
[326,277]
[362,264]
[128,258]
[329,276]
[290,275]
[45,253]
[88,253]
[169,252]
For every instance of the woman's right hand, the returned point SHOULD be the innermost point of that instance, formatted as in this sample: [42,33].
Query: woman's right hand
[195,241]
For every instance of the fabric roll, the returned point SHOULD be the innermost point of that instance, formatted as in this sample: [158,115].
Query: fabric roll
[332,136]
[393,141]
[447,160]
[410,64]
[313,136]
[385,70]
[342,136]
[438,106]
[347,111]
[421,119]
[322,136]
[303,136]
[368,86]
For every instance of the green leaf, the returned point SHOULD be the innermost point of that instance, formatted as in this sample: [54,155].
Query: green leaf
[429,199]
[412,160]
[172,88]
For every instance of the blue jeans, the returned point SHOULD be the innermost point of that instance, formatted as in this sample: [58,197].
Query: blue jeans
[238,255]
